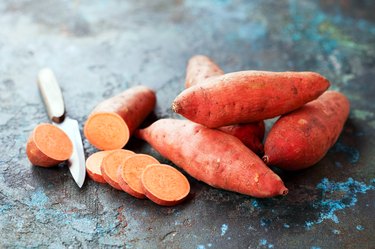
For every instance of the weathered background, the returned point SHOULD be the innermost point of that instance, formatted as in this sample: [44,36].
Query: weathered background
[98,48]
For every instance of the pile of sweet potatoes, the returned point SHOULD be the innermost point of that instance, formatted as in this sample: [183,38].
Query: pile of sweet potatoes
[221,140]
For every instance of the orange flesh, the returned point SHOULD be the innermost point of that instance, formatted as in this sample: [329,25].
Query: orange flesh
[112,162]
[53,142]
[106,131]
[165,182]
[94,161]
[133,168]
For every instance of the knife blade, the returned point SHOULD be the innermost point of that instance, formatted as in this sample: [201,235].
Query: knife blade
[54,102]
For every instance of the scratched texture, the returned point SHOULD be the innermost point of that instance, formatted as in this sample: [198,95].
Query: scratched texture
[98,48]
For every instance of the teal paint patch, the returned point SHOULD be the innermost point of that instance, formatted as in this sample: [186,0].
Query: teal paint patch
[360,228]
[224,229]
[353,153]
[265,243]
[38,198]
[255,203]
[4,208]
[337,196]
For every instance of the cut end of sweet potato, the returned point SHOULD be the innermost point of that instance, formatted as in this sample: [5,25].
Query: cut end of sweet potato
[176,107]
[48,145]
[106,131]
[265,159]
[93,164]
[164,184]
[110,165]
[284,191]
[129,174]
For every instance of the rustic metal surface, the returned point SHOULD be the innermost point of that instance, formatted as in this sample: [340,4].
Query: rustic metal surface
[98,48]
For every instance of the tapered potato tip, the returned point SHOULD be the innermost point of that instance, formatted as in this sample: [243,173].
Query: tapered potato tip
[176,107]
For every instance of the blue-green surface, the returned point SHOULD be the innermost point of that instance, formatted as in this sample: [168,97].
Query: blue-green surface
[98,48]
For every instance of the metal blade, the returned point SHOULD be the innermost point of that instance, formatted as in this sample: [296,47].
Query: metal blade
[77,160]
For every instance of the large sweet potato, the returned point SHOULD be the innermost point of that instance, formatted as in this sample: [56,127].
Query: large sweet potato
[248,96]
[213,157]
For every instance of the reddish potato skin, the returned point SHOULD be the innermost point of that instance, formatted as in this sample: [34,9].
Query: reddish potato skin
[201,67]
[248,96]
[213,157]
[37,157]
[250,134]
[301,138]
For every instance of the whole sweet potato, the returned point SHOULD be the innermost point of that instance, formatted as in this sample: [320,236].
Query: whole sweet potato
[301,138]
[213,157]
[248,96]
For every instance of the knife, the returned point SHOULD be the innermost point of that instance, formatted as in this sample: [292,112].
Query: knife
[54,102]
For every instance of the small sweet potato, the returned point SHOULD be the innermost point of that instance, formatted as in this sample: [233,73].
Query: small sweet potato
[250,134]
[248,96]
[214,157]
[301,138]
[199,69]
[48,145]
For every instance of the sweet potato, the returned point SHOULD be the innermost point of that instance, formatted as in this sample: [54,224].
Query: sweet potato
[199,69]
[250,134]
[114,120]
[213,157]
[164,184]
[248,96]
[48,145]
[129,174]
[301,138]
[93,164]
[110,165]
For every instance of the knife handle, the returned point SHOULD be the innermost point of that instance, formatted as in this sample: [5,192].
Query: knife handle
[52,96]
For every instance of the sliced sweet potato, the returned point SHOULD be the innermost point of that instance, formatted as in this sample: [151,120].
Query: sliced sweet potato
[129,174]
[113,121]
[93,164]
[48,145]
[110,165]
[164,184]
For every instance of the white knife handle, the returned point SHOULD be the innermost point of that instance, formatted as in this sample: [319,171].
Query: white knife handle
[52,96]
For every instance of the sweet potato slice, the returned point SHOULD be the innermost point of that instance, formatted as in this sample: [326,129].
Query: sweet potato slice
[110,165]
[129,174]
[48,145]
[164,184]
[93,164]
